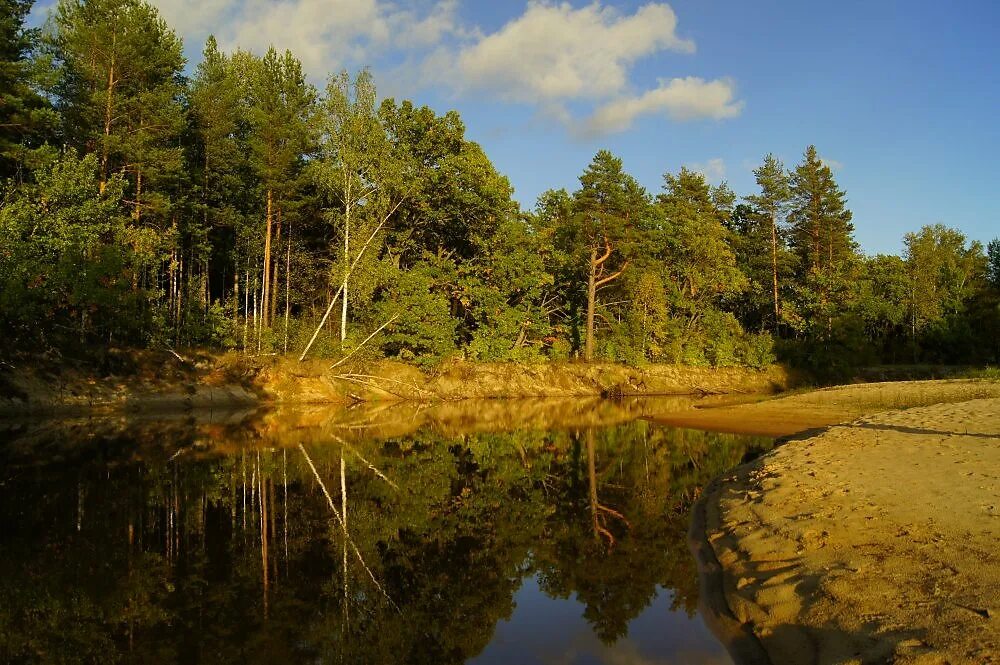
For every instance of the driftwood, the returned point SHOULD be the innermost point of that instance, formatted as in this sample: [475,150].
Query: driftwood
[371,380]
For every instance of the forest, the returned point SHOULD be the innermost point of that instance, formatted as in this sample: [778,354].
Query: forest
[234,206]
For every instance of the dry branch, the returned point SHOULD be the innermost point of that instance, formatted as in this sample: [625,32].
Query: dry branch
[346,275]
[361,345]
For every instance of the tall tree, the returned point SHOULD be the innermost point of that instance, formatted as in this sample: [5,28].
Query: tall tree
[944,274]
[22,109]
[121,93]
[821,228]
[772,203]
[821,236]
[993,266]
[354,162]
[698,257]
[280,105]
[606,209]
[220,172]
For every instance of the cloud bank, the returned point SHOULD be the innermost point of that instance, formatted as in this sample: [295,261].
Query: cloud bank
[552,57]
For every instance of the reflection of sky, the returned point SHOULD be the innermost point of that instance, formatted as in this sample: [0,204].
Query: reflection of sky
[552,631]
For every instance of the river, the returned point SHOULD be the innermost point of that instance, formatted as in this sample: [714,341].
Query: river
[508,533]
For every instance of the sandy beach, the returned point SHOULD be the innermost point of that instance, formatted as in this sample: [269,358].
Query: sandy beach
[873,541]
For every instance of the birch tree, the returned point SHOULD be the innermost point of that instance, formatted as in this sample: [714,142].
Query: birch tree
[353,164]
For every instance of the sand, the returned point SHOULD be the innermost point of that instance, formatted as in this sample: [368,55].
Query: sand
[874,541]
[786,415]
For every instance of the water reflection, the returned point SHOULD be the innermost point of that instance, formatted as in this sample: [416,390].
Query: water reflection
[356,537]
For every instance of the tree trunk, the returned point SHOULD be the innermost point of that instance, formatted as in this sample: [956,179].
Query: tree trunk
[288,280]
[347,262]
[774,270]
[138,194]
[236,296]
[588,349]
[246,304]
[267,260]
[274,269]
[180,296]
[108,108]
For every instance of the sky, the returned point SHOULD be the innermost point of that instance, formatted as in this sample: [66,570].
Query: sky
[900,98]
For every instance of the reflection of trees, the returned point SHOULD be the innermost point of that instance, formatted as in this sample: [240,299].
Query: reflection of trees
[215,559]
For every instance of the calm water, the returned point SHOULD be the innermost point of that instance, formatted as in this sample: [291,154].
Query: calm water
[224,539]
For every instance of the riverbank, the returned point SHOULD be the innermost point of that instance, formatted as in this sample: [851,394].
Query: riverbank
[165,381]
[873,541]
[810,411]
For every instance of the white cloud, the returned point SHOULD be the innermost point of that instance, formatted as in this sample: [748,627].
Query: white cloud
[326,35]
[193,19]
[554,52]
[832,163]
[680,99]
[565,62]
[714,169]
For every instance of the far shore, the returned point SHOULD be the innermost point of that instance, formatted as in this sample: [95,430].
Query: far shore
[167,382]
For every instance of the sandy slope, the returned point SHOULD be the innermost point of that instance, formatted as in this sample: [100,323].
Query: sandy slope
[875,541]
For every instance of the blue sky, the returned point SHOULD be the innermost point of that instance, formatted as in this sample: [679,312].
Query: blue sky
[899,97]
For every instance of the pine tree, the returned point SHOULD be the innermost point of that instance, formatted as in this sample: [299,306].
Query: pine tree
[699,255]
[772,204]
[280,103]
[607,209]
[219,171]
[821,230]
[120,90]
[121,94]
[23,112]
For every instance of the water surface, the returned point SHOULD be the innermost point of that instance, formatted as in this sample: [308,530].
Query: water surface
[366,536]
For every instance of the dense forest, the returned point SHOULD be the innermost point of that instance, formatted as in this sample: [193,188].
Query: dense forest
[235,206]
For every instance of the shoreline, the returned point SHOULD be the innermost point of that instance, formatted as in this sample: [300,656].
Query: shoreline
[150,381]
[872,540]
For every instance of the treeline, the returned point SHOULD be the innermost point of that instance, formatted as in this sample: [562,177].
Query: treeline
[241,208]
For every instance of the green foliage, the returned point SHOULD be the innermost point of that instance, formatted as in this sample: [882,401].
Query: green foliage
[70,258]
[229,209]
[993,263]
[25,116]
[424,329]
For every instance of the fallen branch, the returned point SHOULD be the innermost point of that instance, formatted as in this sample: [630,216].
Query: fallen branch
[367,384]
[384,378]
[346,275]
[367,339]
[178,356]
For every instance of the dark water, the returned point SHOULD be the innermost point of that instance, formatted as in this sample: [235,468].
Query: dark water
[215,539]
